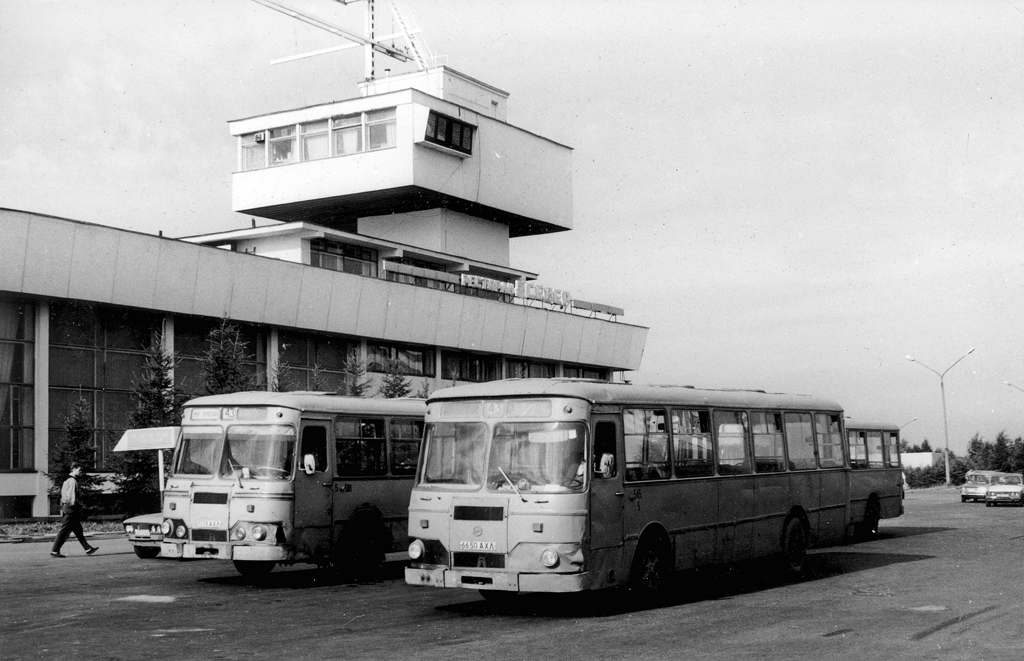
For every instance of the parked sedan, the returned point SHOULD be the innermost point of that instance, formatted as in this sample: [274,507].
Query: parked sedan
[1007,489]
[144,533]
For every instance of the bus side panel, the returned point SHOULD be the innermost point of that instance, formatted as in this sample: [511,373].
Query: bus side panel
[694,530]
[736,516]
[832,522]
[772,502]
[804,493]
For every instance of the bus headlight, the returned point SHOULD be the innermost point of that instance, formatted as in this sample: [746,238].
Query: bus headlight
[166,527]
[239,534]
[416,550]
[180,531]
[259,533]
[549,558]
[129,528]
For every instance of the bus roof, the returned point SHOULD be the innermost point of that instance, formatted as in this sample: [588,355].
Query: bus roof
[316,401]
[871,425]
[603,392]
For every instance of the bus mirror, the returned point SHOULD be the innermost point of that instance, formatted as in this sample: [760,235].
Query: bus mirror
[606,468]
[308,464]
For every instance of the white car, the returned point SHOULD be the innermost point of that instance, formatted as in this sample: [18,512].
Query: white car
[1007,489]
[144,533]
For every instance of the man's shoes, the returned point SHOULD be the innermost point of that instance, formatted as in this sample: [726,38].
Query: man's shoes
[57,554]
[92,549]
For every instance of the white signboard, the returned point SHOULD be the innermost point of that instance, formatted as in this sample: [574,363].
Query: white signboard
[155,438]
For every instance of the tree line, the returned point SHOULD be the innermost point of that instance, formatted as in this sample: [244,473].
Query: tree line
[1002,455]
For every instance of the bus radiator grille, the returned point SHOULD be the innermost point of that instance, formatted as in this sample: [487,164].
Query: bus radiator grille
[203,498]
[479,560]
[471,513]
[209,535]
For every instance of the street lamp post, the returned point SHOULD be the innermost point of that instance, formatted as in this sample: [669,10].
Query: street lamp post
[942,387]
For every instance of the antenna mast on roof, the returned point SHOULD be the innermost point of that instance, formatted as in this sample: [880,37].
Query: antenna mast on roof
[414,49]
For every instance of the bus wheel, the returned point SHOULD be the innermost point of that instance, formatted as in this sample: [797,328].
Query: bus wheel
[253,568]
[794,544]
[361,551]
[651,571]
[146,552]
[869,526]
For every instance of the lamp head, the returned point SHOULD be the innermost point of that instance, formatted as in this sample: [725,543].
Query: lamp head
[910,358]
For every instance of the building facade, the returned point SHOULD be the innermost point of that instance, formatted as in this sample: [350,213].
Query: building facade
[385,228]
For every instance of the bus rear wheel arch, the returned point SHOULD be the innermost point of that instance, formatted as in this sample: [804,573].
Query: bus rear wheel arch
[867,530]
[794,543]
[652,564]
[254,568]
[360,549]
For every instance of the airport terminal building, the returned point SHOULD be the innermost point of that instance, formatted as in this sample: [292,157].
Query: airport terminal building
[385,223]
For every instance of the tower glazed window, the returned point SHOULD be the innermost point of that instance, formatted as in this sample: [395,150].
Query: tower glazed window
[450,133]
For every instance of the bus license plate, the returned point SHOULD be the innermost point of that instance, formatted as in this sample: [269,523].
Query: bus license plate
[478,546]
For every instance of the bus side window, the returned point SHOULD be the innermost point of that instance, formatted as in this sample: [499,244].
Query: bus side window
[314,448]
[604,450]
[858,449]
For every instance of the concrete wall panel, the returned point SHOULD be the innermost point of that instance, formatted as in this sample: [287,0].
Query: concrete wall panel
[588,342]
[373,308]
[215,273]
[135,273]
[533,336]
[515,330]
[449,320]
[425,313]
[93,263]
[346,295]
[314,299]
[48,260]
[471,326]
[554,334]
[399,323]
[284,284]
[177,267]
[493,327]
[571,338]
[13,249]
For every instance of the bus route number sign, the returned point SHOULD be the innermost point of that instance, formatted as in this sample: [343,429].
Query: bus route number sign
[478,546]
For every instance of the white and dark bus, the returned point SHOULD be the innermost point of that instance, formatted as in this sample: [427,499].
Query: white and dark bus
[264,478]
[562,485]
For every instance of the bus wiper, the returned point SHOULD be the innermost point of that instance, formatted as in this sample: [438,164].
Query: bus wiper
[510,484]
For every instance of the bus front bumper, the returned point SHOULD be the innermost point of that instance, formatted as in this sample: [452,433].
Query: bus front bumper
[441,577]
[220,551]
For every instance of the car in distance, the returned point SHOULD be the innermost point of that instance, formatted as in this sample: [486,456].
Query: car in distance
[975,485]
[1007,489]
[144,534]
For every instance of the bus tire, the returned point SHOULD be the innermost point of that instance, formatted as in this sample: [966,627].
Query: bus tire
[651,568]
[868,528]
[254,568]
[361,550]
[795,542]
[146,552]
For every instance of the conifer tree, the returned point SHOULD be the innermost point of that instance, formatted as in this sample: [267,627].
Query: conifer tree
[393,383]
[223,366]
[77,447]
[354,369]
[157,404]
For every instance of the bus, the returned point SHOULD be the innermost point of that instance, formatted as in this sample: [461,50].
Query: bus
[567,485]
[876,475]
[267,478]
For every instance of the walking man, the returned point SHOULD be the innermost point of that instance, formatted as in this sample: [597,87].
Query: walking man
[71,515]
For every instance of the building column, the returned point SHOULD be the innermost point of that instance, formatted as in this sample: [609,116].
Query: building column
[41,415]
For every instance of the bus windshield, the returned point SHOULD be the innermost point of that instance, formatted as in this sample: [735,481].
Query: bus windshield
[540,456]
[198,453]
[453,453]
[258,451]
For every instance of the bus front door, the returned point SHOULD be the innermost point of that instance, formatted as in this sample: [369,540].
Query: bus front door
[606,499]
[313,493]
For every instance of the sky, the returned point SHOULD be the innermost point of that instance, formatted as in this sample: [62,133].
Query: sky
[792,196]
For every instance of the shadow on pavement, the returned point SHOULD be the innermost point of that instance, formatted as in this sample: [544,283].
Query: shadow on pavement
[303,577]
[687,587]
